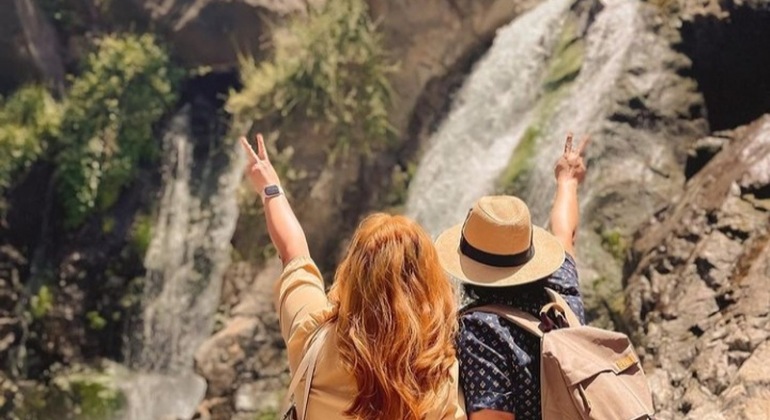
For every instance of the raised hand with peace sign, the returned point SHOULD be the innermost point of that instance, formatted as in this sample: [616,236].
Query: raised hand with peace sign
[570,165]
[282,225]
[259,170]
[570,171]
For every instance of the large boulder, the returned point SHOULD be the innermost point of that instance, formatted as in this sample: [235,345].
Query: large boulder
[698,296]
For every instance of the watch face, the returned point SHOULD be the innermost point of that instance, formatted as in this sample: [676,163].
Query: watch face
[272,190]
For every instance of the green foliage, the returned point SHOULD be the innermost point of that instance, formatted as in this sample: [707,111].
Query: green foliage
[126,86]
[521,160]
[614,243]
[29,119]
[108,225]
[42,303]
[95,320]
[96,399]
[141,234]
[328,68]
[568,57]
[605,304]
[76,395]
[266,415]
[397,194]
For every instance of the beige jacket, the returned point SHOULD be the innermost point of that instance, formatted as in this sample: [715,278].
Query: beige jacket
[300,300]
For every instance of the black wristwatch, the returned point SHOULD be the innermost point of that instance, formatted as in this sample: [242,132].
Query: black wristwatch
[272,191]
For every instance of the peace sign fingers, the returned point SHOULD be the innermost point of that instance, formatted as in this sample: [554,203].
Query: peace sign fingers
[570,165]
[261,149]
[568,144]
[259,170]
[253,157]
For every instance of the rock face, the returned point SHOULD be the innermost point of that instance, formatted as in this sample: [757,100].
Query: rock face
[245,361]
[28,46]
[214,32]
[433,41]
[698,295]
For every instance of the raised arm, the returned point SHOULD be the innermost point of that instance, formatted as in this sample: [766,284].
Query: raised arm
[570,171]
[282,225]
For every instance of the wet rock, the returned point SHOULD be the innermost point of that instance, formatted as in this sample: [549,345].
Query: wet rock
[703,322]
[245,361]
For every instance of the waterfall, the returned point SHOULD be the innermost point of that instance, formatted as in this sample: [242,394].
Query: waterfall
[488,118]
[185,262]
[613,45]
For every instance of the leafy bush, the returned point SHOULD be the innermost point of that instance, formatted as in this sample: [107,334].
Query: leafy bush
[328,68]
[141,234]
[42,303]
[126,86]
[29,119]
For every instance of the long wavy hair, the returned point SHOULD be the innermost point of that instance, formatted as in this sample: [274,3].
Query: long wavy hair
[396,322]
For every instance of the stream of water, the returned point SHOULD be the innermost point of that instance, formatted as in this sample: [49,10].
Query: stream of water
[185,262]
[488,118]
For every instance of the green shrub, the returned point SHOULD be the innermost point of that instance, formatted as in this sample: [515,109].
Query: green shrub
[329,68]
[126,86]
[141,234]
[95,320]
[29,119]
[42,303]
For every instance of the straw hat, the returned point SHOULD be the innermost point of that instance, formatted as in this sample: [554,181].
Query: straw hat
[498,246]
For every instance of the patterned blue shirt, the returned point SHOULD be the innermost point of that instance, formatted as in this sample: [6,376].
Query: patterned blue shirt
[499,361]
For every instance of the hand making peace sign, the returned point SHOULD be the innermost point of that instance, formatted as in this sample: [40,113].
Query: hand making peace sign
[570,165]
[259,169]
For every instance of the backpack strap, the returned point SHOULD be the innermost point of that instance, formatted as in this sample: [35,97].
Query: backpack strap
[526,320]
[516,316]
[561,306]
[306,369]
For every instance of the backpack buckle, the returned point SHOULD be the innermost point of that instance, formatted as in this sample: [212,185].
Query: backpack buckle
[552,319]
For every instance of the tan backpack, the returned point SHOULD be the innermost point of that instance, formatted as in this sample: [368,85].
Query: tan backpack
[297,410]
[585,372]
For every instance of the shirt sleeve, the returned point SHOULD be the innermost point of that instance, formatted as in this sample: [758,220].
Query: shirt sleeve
[298,294]
[565,282]
[485,371]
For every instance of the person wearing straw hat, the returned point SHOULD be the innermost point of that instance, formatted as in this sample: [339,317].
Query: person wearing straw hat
[500,257]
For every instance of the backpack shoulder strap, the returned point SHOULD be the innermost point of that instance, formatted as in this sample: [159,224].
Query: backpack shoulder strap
[306,369]
[558,303]
[523,319]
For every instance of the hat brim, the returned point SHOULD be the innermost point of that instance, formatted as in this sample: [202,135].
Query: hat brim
[548,257]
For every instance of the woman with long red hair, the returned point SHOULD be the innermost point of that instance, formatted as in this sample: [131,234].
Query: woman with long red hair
[389,319]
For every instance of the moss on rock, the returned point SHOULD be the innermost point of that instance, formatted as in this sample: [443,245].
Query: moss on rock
[615,243]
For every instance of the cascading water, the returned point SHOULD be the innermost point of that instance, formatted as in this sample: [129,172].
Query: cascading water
[613,35]
[187,257]
[489,117]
